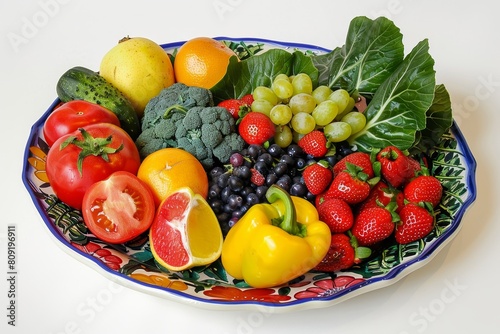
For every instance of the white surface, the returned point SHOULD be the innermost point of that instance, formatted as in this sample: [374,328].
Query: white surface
[57,294]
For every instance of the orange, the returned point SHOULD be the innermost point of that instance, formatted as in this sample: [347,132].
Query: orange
[202,62]
[185,232]
[169,169]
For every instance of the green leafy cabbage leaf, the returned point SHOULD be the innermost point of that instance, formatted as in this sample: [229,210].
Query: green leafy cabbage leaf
[399,106]
[439,120]
[372,51]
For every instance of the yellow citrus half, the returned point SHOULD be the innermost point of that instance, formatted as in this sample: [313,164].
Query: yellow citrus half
[185,232]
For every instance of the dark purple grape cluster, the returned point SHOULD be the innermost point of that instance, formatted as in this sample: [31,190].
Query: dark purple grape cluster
[235,187]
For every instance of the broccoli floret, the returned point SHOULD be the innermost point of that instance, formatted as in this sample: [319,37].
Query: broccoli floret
[210,135]
[224,127]
[176,94]
[235,142]
[196,147]
[188,145]
[231,143]
[185,117]
[147,143]
[165,130]
[192,120]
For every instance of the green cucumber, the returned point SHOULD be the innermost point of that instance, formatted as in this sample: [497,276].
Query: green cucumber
[80,83]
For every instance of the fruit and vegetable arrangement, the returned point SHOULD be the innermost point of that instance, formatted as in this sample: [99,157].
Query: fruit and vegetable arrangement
[274,162]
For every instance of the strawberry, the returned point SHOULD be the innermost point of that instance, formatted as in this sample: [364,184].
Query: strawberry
[256,128]
[247,99]
[381,195]
[360,159]
[414,164]
[372,225]
[317,177]
[416,222]
[424,188]
[337,214]
[314,143]
[350,185]
[237,107]
[340,255]
[233,106]
[395,166]
[256,177]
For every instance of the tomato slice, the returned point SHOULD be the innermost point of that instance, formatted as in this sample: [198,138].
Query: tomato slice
[118,209]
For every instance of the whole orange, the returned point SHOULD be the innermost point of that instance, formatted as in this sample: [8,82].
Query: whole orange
[202,62]
[170,169]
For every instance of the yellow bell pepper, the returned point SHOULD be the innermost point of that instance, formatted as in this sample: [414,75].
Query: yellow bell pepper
[268,247]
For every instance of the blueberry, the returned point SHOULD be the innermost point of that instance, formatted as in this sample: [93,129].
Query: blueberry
[295,151]
[280,168]
[261,167]
[222,180]
[271,179]
[216,172]
[298,189]
[254,151]
[242,172]
[214,191]
[261,192]
[331,159]
[300,163]
[287,159]
[275,150]
[252,199]
[217,205]
[285,182]
[235,183]
[225,193]
[246,190]
[265,157]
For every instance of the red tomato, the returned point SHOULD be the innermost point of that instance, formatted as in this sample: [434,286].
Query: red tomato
[118,209]
[72,167]
[73,115]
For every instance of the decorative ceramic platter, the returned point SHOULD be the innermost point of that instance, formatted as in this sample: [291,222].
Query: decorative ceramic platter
[132,264]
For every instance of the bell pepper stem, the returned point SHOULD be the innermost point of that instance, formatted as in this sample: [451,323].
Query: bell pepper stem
[289,223]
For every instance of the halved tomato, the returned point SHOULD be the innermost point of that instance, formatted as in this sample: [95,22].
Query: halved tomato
[118,209]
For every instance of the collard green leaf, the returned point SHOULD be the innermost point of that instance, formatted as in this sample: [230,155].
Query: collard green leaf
[242,77]
[398,108]
[325,62]
[373,50]
[439,121]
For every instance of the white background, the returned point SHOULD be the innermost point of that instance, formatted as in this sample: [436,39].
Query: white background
[58,294]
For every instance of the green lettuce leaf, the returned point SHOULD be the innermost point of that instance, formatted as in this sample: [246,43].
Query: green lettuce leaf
[373,50]
[399,106]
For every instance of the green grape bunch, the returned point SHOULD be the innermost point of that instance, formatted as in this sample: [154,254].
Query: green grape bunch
[296,107]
